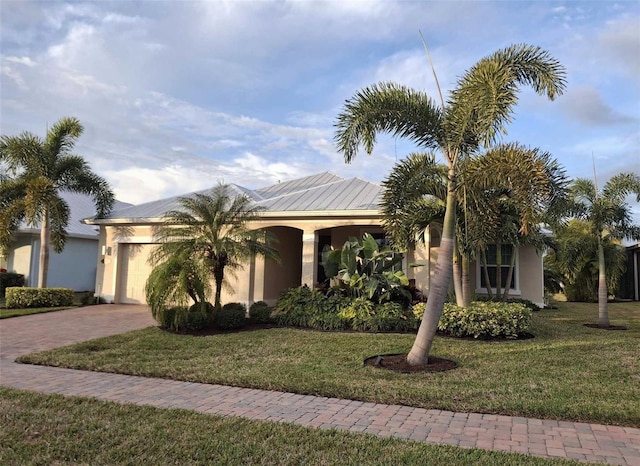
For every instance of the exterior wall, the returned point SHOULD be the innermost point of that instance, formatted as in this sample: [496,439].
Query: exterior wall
[74,268]
[299,249]
[529,276]
[286,274]
[20,259]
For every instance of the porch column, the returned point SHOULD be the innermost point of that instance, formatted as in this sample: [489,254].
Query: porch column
[309,258]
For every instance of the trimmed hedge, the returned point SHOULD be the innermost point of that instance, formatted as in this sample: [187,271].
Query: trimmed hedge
[303,307]
[484,320]
[10,279]
[530,304]
[232,316]
[24,297]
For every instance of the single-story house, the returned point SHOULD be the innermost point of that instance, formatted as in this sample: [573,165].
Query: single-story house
[75,266]
[305,215]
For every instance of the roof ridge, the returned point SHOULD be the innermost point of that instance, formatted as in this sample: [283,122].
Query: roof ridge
[341,180]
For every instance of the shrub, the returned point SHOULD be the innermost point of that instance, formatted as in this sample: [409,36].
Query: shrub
[232,316]
[166,316]
[10,279]
[484,320]
[89,299]
[185,319]
[366,316]
[303,307]
[418,310]
[529,304]
[260,312]
[23,297]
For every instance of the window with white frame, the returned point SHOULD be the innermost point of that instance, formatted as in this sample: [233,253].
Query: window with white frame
[506,251]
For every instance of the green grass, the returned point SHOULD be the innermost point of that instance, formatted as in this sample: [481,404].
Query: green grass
[6,313]
[567,372]
[51,429]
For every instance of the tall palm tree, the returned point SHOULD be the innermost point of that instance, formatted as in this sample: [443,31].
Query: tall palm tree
[573,261]
[37,171]
[211,231]
[503,195]
[609,217]
[475,115]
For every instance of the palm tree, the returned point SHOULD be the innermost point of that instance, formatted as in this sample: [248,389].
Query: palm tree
[474,115]
[174,281]
[574,261]
[210,231]
[609,217]
[37,171]
[504,194]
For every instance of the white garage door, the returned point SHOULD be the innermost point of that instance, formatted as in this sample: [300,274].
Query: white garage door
[134,270]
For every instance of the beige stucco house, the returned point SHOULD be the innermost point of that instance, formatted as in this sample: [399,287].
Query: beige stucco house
[305,215]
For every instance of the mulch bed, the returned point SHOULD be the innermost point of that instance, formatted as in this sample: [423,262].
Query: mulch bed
[610,327]
[398,363]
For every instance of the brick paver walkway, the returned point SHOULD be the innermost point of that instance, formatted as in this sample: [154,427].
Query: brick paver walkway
[546,438]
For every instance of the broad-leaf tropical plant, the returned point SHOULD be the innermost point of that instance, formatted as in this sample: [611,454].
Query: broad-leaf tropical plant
[475,114]
[37,171]
[211,231]
[365,268]
[609,217]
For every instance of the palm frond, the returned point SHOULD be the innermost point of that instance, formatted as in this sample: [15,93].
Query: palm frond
[387,108]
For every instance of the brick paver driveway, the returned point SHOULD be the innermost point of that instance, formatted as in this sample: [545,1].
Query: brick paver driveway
[546,438]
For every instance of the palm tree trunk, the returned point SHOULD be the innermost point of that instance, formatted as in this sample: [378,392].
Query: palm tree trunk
[498,271]
[512,265]
[466,284]
[603,311]
[485,272]
[457,277]
[439,288]
[45,239]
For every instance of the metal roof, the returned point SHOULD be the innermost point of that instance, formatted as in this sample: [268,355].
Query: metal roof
[81,206]
[322,192]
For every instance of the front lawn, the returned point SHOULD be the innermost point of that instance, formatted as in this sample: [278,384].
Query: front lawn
[568,371]
[51,429]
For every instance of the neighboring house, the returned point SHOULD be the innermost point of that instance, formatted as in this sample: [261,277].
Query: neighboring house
[630,280]
[305,215]
[75,266]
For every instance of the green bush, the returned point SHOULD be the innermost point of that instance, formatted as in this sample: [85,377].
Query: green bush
[303,307]
[260,312]
[185,319]
[24,297]
[485,320]
[232,316]
[365,316]
[89,299]
[166,316]
[529,304]
[10,279]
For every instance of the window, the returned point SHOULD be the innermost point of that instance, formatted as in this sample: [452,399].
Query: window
[492,258]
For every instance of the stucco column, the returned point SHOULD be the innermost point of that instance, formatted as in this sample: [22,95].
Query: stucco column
[309,258]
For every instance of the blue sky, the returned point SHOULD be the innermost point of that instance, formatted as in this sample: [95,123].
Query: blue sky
[178,96]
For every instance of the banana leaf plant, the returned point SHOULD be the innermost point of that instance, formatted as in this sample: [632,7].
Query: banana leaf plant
[366,269]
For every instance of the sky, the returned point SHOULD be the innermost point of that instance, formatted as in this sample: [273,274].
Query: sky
[178,96]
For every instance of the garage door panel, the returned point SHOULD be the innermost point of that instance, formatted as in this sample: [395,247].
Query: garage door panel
[134,271]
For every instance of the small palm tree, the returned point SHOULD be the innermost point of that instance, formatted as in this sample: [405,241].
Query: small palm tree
[475,114]
[210,232]
[37,171]
[609,217]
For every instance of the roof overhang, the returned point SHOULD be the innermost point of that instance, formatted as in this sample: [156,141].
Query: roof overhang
[284,215]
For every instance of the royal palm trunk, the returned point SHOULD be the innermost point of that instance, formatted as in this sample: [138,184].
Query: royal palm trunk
[45,239]
[603,311]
